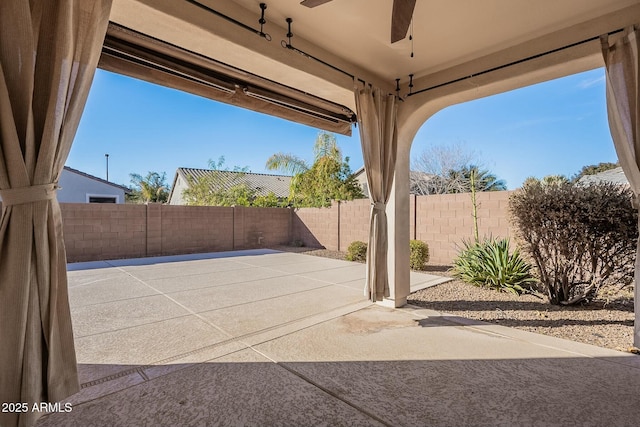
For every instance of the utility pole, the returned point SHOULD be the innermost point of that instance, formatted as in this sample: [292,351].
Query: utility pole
[107,157]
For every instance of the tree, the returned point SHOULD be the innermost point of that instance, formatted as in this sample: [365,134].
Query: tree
[448,169]
[594,169]
[201,192]
[268,201]
[224,187]
[546,181]
[152,188]
[432,169]
[439,160]
[480,179]
[328,178]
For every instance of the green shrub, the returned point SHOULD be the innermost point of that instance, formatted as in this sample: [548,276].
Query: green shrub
[419,254]
[268,201]
[580,237]
[489,263]
[357,251]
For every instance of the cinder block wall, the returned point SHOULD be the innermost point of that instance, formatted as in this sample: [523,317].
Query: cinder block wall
[191,229]
[317,227]
[104,231]
[259,227]
[444,220]
[354,222]
[108,231]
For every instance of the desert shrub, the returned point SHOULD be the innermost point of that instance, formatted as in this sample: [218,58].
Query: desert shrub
[490,263]
[419,254]
[580,237]
[357,251]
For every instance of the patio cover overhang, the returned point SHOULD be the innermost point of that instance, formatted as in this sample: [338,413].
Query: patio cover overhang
[462,50]
[450,41]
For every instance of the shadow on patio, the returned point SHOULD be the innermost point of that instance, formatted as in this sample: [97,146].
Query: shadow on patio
[289,339]
[245,388]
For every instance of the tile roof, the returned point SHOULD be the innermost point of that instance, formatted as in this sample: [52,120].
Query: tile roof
[263,183]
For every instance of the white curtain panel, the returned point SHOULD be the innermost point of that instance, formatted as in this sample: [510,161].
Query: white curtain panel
[622,63]
[49,50]
[377,118]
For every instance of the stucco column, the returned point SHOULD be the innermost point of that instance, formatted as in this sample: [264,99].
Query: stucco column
[398,215]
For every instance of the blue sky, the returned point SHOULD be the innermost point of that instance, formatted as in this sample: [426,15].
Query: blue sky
[551,128]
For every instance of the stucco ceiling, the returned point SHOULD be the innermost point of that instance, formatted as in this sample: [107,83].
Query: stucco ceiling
[445,32]
[354,35]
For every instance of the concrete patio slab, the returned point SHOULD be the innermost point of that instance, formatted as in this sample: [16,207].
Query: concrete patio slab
[201,355]
[355,284]
[414,370]
[186,257]
[305,348]
[340,274]
[242,388]
[418,280]
[421,281]
[205,299]
[318,264]
[183,268]
[116,315]
[85,291]
[150,343]
[255,316]
[273,259]
[211,279]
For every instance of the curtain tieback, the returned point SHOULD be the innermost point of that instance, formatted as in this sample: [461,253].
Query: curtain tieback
[24,195]
[378,206]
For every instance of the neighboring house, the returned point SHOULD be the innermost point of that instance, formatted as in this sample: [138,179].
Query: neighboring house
[415,180]
[262,183]
[615,176]
[80,187]
[361,177]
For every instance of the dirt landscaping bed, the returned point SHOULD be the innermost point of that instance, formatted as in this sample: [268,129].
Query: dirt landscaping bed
[606,322]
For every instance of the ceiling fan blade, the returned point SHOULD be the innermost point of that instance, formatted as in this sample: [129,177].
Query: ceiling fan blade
[313,3]
[401,18]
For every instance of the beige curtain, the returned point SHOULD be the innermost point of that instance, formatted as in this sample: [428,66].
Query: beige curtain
[622,63]
[49,50]
[377,118]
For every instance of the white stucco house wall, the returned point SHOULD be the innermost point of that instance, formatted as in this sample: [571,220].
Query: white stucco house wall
[80,187]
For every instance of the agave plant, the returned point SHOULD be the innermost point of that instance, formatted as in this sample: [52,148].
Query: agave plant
[490,263]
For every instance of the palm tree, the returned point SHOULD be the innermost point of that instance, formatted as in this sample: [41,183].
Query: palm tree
[287,163]
[325,146]
[151,188]
[328,177]
[460,180]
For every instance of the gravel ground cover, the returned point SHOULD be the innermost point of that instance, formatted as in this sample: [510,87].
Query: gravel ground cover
[606,322]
